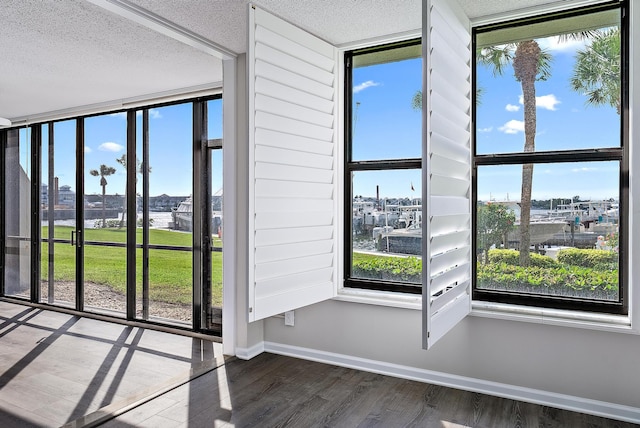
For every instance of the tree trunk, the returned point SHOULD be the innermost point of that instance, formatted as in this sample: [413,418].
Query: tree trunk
[525,66]
[104,213]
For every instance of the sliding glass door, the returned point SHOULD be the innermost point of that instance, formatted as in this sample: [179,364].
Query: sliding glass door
[17,206]
[58,214]
[128,214]
[164,150]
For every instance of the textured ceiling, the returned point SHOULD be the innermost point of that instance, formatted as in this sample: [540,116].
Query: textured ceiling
[66,54]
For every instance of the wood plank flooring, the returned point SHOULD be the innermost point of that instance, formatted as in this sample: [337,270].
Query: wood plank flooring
[58,369]
[277,391]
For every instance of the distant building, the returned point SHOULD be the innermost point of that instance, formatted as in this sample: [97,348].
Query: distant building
[66,196]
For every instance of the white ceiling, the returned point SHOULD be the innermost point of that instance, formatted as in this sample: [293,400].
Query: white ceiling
[59,55]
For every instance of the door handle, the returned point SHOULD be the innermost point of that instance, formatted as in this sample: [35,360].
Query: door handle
[78,242]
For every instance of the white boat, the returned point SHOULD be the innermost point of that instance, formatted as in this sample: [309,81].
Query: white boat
[182,215]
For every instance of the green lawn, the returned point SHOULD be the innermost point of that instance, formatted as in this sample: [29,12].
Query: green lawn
[170,275]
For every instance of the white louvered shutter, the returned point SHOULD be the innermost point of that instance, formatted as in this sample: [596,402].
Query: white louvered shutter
[446,168]
[292,135]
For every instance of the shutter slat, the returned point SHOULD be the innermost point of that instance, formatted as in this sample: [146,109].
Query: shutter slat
[292,111]
[441,165]
[452,131]
[277,220]
[450,223]
[285,44]
[293,95]
[447,148]
[292,126]
[293,80]
[293,158]
[449,186]
[292,205]
[290,189]
[291,235]
[442,262]
[460,96]
[448,295]
[273,253]
[284,268]
[445,206]
[289,62]
[451,241]
[293,143]
[273,171]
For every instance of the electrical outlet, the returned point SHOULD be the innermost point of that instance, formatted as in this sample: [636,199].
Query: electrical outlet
[289,318]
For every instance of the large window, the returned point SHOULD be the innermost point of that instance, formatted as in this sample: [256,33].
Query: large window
[550,161]
[383,214]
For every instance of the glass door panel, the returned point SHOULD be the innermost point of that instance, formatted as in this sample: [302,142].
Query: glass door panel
[165,238]
[17,221]
[104,234]
[58,214]
[213,286]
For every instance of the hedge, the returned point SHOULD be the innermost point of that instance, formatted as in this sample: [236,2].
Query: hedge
[512,257]
[563,280]
[597,259]
[407,269]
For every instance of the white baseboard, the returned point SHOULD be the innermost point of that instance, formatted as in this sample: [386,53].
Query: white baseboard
[249,353]
[561,401]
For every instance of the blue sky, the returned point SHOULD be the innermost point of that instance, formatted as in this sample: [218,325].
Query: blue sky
[387,126]
[564,121]
[170,153]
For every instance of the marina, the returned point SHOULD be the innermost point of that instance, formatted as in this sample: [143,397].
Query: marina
[388,228]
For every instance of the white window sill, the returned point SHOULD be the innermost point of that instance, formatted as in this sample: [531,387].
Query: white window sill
[577,319]
[380,298]
[559,317]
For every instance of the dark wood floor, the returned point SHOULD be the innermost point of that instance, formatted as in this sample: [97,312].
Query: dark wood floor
[58,369]
[278,391]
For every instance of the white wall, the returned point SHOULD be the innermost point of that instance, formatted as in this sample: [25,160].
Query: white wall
[602,366]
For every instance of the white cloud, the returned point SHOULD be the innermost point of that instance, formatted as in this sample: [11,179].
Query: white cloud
[110,147]
[584,169]
[87,149]
[487,129]
[364,85]
[511,107]
[548,102]
[154,114]
[512,127]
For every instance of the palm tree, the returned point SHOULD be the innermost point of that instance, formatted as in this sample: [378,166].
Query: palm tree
[530,64]
[104,172]
[596,73]
[122,160]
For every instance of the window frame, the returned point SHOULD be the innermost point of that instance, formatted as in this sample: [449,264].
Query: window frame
[350,167]
[621,154]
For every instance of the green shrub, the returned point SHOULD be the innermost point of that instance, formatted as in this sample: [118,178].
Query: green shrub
[512,257]
[565,280]
[596,259]
[368,266]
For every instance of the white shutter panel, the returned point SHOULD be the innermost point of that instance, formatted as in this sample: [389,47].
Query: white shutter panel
[446,168]
[292,170]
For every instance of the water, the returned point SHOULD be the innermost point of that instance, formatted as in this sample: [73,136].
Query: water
[160,220]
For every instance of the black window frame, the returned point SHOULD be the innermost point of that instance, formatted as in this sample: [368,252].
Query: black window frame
[621,154]
[351,167]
